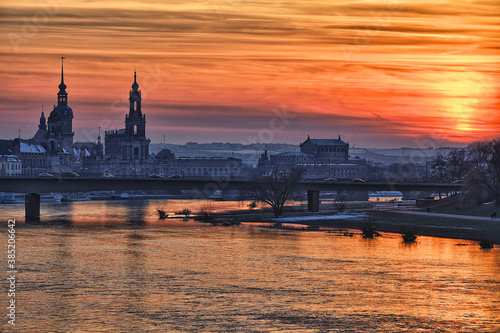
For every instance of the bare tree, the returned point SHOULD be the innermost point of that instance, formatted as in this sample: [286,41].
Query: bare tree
[458,164]
[450,167]
[439,171]
[274,188]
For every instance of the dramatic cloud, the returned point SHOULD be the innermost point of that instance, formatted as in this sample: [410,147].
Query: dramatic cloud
[376,72]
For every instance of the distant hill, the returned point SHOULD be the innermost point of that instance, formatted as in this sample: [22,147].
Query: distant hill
[399,155]
[250,153]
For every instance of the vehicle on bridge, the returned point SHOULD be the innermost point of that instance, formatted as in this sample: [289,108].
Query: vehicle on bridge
[46,175]
[70,174]
[156,176]
[331,180]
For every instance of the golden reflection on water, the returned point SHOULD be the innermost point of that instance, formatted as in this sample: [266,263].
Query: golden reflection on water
[112,274]
[118,212]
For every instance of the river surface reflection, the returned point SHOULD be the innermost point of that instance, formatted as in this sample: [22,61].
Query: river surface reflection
[115,268]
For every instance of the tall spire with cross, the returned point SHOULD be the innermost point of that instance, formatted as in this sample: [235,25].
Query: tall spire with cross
[62,95]
[60,121]
[135,125]
[135,85]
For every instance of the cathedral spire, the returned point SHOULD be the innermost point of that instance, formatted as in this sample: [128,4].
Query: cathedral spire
[135,86]
[62,86]
[62,95]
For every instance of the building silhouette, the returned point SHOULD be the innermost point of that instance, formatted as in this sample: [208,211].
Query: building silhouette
[130,143]
[320,158]
[51,148]
[126,152]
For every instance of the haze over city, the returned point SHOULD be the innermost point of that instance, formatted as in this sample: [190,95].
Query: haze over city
[404,73]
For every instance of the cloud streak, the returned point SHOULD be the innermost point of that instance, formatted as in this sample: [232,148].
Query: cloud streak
[379,71]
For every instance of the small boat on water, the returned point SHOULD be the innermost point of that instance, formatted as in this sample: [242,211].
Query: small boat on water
[18,198]
[101,196]
[216,195]
[75,197]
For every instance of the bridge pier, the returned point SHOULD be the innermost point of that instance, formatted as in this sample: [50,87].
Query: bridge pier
[313,200]
[32,207]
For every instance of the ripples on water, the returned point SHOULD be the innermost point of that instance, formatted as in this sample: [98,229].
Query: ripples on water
[113,267]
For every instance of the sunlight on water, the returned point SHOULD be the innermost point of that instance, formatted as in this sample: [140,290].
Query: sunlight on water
[107,274]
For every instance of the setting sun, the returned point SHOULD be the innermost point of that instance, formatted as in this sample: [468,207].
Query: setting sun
[382,74]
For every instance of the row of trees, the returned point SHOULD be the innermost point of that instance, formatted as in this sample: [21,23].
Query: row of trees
[478,166]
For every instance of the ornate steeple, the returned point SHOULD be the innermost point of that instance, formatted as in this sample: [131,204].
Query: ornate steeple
[135,100]
[135,85]
[135,126]
[60,121]
[62,95]
[42,124]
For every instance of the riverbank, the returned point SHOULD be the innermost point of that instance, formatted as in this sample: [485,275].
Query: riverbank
[450,226]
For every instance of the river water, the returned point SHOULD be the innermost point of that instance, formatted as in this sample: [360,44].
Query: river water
[114,267]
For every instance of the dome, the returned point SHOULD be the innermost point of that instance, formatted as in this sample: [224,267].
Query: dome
[67,111]
[62,86]
[54,116]
[165,154]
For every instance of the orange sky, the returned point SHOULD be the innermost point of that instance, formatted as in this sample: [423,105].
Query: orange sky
[381,74]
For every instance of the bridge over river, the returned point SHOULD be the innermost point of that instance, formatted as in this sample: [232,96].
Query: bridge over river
[202,187]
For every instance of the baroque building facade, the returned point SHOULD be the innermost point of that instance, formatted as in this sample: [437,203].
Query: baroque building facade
[130,143]
[320,159]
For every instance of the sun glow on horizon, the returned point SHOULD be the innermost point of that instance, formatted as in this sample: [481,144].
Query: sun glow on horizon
[459,100]
[380,73]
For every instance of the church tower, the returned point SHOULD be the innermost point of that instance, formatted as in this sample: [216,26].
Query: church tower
[137,146]
[60,122]
[42,125]
[99,147]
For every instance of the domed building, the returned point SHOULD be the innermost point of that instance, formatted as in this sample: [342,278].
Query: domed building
[60,123]
[51,148]
[165,155]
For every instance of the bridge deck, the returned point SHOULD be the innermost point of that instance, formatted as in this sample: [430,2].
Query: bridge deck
[46,185]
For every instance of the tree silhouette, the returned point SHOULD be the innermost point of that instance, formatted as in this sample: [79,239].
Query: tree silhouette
[485,158]
[274,188]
